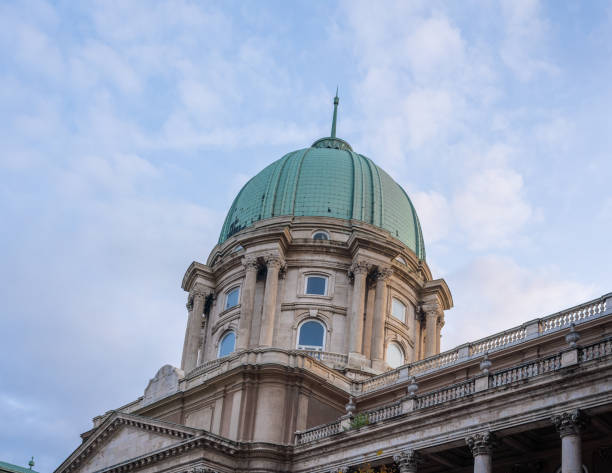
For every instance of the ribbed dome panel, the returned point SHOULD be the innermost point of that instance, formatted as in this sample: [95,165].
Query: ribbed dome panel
[326,182]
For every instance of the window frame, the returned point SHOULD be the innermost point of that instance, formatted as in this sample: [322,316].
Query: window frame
[393,299]
[311,347]
[316,275]
[227,293]
[322,232]
[400,348]
[223,337]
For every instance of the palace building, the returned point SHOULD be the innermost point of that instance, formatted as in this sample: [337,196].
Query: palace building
[313,346]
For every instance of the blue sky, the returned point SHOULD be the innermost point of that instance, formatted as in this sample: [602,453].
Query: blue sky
[128,128]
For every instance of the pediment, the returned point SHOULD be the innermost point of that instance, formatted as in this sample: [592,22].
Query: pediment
[123,437]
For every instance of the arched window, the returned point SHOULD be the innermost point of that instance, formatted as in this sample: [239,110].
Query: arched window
[232,297]
[401,260]
[316,285]
[320,235]
[227,344]
[311,335]
[398,310]
[395,355]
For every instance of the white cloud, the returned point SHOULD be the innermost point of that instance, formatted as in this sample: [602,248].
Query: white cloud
[523,49]
[434,213]
[491,208]
[494,293]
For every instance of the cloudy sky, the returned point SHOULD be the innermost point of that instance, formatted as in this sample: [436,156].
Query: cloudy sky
[128,128]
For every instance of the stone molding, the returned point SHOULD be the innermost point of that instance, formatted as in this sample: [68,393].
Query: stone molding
[481,443]
[570,423]
[407,461]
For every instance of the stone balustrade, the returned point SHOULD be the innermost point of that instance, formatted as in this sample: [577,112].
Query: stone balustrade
[450,393]
[318,432]
[527,331]
[525,371]
[456,391]
[596,350]
[383,413]
[325,356]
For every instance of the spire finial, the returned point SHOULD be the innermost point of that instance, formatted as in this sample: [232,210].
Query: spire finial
[31,463]
[336,100]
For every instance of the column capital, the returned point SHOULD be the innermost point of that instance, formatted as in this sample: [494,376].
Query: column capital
[360,267]
[274,261]
[570,423]
[200,290]
[407,460]
[250,263]
[383,273]
[432,307]
[481,443]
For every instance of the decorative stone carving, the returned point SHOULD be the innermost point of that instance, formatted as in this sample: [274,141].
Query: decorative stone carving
[250,263]
[481,443]
[360,267]
[383,274]
[274,261]
[570,423]
[432,308]
[412,388]
[189,304]
[407,461]
[485,364]
[572,337]
[350,406]
[165,383]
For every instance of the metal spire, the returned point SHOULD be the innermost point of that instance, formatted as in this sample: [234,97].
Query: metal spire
[336,100]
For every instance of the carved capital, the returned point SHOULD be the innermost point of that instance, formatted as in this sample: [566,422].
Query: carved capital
[360,267]
[407,460]
[481,443]
[274,261]
[199,290]
[432,308]
[570,423]
[383,274]
[250,263]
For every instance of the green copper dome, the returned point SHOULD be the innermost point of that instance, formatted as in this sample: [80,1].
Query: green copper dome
[327,180]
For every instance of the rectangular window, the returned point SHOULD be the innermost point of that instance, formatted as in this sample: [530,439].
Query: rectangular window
[316,285]
[232,297]
[398,310]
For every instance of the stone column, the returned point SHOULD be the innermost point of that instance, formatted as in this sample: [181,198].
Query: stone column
[380,313]
[247,302]
[193,333]
[439,326]
[274,264]
[360,272]
[570,425]
[481,445]
[407,461]
[433,311]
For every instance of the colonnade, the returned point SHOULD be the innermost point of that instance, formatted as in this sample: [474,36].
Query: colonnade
[482,444]
[360,270]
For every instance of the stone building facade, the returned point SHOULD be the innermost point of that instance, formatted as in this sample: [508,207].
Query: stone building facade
[313,345]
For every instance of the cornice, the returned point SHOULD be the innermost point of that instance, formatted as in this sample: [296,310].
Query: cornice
[113,423]
[194,271]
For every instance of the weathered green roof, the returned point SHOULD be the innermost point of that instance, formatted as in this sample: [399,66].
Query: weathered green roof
[4,466]
[327,180]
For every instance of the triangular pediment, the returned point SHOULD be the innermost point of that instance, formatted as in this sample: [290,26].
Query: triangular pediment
[122,437]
